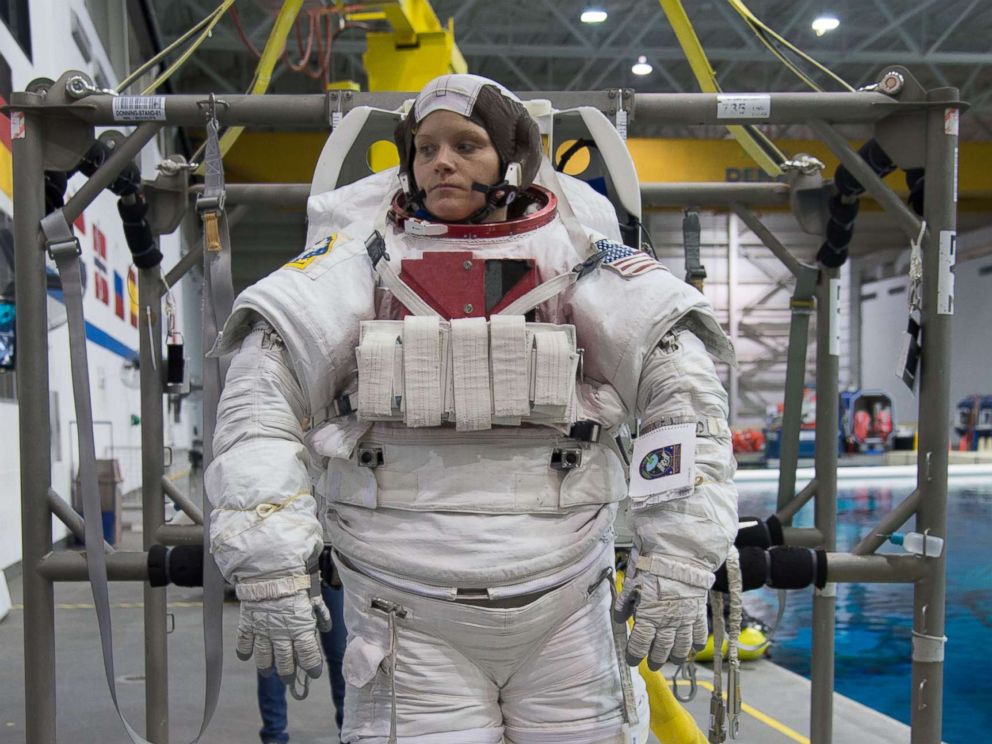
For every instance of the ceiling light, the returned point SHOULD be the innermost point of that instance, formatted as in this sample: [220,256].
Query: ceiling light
[824,23]
[593,15]
[641,67]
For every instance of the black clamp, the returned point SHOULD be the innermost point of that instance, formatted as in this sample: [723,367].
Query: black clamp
[375,245]
[588,266]
[585,431]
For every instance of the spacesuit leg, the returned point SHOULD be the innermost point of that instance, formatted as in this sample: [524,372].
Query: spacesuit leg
[570,690]
[441,697]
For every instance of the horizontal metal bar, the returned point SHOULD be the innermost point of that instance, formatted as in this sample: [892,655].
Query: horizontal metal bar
[787,512]
[890,522]
[182,501]
[69,565]
[802,537]
[179,534]
[313,111]
[714,194]
[881,569]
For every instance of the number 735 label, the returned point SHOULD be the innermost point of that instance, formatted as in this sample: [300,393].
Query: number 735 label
[743,106]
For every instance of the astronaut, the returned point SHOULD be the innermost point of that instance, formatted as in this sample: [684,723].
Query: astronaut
[450,375]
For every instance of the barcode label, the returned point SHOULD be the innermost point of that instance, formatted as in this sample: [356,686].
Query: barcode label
[756,106]
[139,108]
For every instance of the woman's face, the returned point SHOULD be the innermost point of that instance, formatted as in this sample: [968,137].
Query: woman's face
[450,154]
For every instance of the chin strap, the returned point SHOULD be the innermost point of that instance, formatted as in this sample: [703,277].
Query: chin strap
[497,195]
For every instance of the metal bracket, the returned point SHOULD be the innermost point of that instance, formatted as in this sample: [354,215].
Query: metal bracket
[167,196]
[903,135]
[66,136]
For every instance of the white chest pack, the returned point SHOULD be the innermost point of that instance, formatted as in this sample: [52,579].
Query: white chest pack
[425,371]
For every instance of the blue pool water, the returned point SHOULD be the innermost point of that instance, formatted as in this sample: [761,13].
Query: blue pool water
[873,620]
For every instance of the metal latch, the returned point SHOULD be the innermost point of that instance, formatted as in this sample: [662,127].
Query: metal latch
[370,457]
[566,458]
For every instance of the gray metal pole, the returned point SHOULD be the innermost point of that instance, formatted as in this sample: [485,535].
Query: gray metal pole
[70,565]
[182,501]
[938,257]
[787,512]
[314,111]
[152,501]
[889,569]
[71,519]
[825,505]
[891,521]
[33,427]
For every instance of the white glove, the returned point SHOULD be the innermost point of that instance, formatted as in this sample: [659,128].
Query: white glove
[282,632]
[669,619]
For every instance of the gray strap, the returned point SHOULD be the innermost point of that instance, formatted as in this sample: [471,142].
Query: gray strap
[541,293]
[64,248]
[695,273]
[218,301]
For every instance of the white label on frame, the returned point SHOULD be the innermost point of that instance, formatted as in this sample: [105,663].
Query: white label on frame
[743,106]
[139,108]
[834,317]
[17,125]
[945,276]
[951,120]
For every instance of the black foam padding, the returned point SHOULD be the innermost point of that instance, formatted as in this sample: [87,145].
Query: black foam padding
[158,573]
[916,180]
[127,182]
[186,565]
[843,211]
[754,570]
[753,535]
[791,568]
[175,364]
[138,234]
[55,186]
[820,577]
[873,154]
[775,533]
[831,256]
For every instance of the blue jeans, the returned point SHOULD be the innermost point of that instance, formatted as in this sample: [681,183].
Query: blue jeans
[272,690]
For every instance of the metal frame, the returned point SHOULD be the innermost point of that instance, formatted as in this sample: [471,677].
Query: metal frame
[52,119]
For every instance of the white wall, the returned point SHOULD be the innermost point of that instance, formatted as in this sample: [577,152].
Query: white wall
[884,315]
[113,400]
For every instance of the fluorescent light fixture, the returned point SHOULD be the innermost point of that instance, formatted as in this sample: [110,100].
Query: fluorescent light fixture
[641,67]
[593,15]
[824,23]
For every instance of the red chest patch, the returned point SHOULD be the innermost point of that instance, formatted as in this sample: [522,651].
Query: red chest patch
[460,285]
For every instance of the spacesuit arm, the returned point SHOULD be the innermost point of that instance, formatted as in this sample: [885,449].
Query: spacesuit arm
[264,523]
[694,526]
[683,531]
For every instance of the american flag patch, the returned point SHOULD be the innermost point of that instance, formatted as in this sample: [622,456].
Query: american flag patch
[625,260]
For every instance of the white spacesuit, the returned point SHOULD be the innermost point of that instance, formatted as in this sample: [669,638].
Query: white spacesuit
[453,394]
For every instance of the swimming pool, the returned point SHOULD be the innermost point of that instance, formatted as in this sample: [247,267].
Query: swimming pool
[873,620]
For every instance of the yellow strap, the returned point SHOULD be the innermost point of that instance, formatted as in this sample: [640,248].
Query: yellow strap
[761,149]
[274,47]
[763,31]
[214,20]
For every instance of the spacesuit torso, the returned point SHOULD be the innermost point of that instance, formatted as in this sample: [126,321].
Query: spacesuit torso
[508,503]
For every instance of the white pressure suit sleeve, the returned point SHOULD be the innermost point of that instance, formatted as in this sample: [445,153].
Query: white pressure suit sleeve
[681,534]
[264,522]
[697,526]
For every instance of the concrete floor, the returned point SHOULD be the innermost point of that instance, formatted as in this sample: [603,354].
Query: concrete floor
[776,701]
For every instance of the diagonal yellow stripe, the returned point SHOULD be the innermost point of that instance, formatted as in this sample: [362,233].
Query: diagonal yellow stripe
[763,717]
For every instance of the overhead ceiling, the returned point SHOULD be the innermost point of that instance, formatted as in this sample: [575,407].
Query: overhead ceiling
[542,45]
